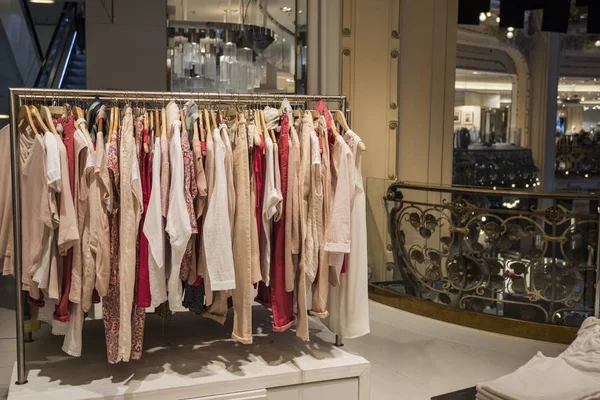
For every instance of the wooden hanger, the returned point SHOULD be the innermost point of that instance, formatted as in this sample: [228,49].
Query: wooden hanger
[182,118]
[100,126]
[340,118]
[47,116]
[57,111]
[157,123]
[200,125]
[146,147]
[213,119]
[163,125]
[208,127]
[195,128]
[25,116]
[315,114]
[37,117]
[111,124]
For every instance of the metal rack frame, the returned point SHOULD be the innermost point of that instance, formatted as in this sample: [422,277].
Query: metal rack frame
[20,96]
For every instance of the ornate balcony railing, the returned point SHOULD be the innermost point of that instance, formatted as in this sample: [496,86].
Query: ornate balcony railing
[526,256]
[577,160]
[489,166]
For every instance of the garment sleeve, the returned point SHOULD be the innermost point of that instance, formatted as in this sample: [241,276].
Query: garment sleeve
[338,231]
[53,175]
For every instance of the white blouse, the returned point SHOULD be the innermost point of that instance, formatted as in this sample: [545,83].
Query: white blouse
[179,227]
[217,241]
[271,199]
[153,229]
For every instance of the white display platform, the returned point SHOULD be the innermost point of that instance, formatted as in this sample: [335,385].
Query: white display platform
[195,358]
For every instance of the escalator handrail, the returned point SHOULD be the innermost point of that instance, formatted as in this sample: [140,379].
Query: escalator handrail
[67,14]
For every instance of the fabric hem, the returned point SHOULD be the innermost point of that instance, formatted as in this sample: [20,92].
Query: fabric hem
[284,327]
[71,353]
[323,314]
[241,340]
[218,318]
[222,286]
[333,247]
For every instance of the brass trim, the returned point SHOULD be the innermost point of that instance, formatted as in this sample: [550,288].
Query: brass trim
[346,32]
[484,322]
[346,52]
[490,192]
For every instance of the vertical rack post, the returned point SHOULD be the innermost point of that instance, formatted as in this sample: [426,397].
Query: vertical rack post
[17,239]
[597,280]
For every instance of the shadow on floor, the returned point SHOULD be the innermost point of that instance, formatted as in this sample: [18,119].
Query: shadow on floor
[188,345]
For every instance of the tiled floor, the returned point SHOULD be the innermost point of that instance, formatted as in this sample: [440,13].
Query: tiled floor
[8,353]
[412,357]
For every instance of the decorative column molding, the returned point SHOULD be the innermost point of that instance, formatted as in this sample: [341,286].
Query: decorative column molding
[544,66]
[428,33]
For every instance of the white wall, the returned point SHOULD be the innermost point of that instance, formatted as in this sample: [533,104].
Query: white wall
[475,110]
[591,118]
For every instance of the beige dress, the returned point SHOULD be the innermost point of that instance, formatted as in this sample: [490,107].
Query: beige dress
[292,214]
[35,199]
[320,289]
[130,215]
[6,214]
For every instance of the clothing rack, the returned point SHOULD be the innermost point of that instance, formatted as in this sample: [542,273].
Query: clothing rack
[20,96]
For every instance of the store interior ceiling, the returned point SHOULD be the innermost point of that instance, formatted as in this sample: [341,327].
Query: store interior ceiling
[216,11]
[570,89]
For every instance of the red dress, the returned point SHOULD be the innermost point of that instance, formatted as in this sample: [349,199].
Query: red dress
[61,311]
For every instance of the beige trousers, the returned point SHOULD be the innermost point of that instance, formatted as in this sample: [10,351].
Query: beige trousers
[242,248]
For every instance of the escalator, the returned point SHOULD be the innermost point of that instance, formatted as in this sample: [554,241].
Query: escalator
[64,64]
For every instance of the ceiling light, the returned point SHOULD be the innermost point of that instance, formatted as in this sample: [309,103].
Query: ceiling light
[489,14]
[498,19]
[476,72]
[510,35]
[587,176]
[4,116]
[597,44]
[42,1]
[286,9]
[482,17]
[511,29]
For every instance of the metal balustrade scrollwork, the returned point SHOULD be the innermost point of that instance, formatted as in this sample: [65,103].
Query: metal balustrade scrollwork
[577,160]
[489,167]
[529,256]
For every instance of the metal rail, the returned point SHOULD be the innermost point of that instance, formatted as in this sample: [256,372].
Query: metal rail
[500,192]
[19,96]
